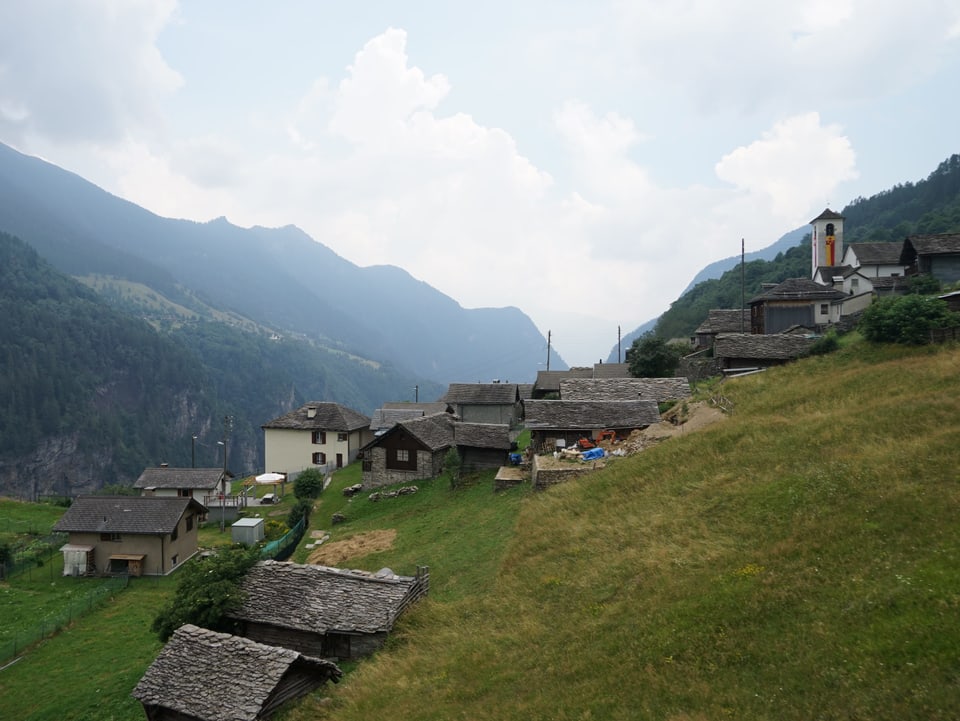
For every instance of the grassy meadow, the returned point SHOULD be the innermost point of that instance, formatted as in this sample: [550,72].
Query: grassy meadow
[799,559]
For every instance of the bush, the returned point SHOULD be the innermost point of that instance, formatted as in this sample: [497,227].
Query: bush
[652,357]
[906,319]
[301,510]
[825,344]
[453,466]
[309,484]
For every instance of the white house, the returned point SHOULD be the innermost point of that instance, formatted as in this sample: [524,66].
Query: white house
[319,435]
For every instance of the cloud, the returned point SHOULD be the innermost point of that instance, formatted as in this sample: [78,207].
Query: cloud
[86,71]
[794,165]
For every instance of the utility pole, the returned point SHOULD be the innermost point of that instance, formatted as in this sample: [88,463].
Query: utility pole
[548,350]
[619,357]
[741,285]
[416,394]
[193,452]
[227,426]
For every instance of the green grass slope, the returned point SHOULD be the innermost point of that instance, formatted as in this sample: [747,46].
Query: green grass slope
[799,560]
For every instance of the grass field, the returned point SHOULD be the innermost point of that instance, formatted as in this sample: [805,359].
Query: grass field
[800,559]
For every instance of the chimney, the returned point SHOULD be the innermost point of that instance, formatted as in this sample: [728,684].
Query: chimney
[164,465]
[311,411]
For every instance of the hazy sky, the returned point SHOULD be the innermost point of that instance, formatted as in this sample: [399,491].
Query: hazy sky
[579,160]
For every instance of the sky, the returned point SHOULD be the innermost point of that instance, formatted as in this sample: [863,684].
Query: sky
[579,160]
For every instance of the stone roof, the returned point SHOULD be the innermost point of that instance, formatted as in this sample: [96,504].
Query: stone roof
[589,415]
[877,253]
[320,599]
[827,214]
[722,320]
[496,394]
[525,390]
[327,417]
[164,477]
[611,370]
[152,515]
[434,431]
[890,283]
[799,289]
[936,244]
[775,346]
[384,418]
[548,381]
[624,389]
[426,408]
[219,677]
[482,435]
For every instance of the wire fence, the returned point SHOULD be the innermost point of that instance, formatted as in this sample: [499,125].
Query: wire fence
[63,618]
[281,549]
[31,554]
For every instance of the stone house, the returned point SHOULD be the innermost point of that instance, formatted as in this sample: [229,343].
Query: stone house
[720,320]
[497,403]
[322,611]
[202,675]
[937,255]
[415,449]
[561,423]
[624,389]
[795,301]
[136,535]
[747,351]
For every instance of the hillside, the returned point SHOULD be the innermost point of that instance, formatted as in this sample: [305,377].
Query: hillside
[90,395]
[796,560]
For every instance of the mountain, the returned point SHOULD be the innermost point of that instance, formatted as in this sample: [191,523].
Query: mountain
[279,278]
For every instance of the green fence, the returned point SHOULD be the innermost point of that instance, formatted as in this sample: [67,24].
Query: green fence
[77,608]
[30,554]
[281,549]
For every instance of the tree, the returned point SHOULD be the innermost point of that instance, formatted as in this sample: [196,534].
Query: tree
[207,590]
[309,484]
[652,357]
[906,319]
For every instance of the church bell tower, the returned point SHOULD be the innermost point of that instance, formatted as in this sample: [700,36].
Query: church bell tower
[827,241]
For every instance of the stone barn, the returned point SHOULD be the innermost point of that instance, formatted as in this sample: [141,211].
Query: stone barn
[203,675]
[322,611]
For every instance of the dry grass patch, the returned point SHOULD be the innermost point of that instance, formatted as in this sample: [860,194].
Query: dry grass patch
[338,552]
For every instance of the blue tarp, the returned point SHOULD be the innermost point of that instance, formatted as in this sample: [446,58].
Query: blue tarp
[592,454]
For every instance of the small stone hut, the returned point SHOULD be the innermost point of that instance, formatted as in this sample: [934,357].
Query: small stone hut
[323,611]
[203,675]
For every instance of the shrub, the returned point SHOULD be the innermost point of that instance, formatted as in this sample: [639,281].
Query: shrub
[905,319]
[300,510]
[453,466]
[825,344]
[309,484]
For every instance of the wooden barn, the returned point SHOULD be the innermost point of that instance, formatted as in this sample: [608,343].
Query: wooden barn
[322,611]
[203,675]
[555,424]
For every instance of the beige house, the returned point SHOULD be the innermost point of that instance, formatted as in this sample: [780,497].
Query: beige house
[136,535]
[325,436]
[198,483]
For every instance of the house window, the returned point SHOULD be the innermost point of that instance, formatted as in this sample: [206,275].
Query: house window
[174,560]
[342,437]
[824,309]
[319,458]
[185,492]
[403,455]
[320,438]
[855,283]
[115,537]
[367,466]
[190,522]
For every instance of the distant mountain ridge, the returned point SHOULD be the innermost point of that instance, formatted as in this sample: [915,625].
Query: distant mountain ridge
[279,277]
